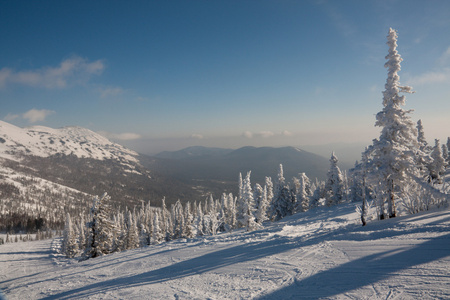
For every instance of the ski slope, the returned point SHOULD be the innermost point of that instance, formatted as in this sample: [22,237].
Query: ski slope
[321,254]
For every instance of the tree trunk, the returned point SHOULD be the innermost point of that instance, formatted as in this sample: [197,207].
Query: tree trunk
[392,210]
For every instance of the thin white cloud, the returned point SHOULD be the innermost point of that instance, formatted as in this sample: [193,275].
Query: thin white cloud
[37,115]
[110,92]
[247,134]
[266,134]
[72,71]
[11,117]
[197,136]
[126,136]
[431,77]
[286,133]
[439,75]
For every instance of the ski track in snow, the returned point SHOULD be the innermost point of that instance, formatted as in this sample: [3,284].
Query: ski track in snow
[321,254]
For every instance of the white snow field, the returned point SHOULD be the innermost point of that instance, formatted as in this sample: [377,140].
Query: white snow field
[321,254]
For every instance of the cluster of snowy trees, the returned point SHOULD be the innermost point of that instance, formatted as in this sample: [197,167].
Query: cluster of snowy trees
[399,166]
[108,231]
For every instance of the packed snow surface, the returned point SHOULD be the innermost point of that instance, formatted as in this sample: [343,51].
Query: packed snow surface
[44,141]
[321,254]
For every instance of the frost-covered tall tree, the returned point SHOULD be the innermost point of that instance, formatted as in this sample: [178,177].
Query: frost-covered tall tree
[100,228]
[303,192]
[178,220]
[248,205]
[240,203]
[394,152]
[262,203]
[335,183]
[282,202]
[132,236]
[158,235]
[188,221]
[445,154]
[199,220]
[423,145]
[69,244]
[437,166]
[269,188]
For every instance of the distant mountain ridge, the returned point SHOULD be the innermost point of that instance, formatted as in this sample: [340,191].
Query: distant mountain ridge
[212,165]
[194,152]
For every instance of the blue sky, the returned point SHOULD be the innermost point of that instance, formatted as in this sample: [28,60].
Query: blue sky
[163,75]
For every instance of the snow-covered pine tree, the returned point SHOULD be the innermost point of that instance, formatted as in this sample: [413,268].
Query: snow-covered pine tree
[145,224]
[269,188]
[303,192]
[119,233]
[213,215]
[164,216]
[437,166]
[69,244]
[262,203]
[282,202]
[132,236]
[100,228]
[232,211]
[423,145]
[189,221]
[335,183]
[445,155]
[158,235]
[198,223]
[318,194]
[82,238]
[248,205]
[240,203]
[394,153]
[178,220]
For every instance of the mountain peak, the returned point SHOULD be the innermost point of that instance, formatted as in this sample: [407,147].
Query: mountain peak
[71,140]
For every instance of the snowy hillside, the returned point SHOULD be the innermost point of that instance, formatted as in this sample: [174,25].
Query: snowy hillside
[321,254]
[47,172]
[43,141]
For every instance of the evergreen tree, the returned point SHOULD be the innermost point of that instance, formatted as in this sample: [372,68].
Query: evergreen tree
[394,153]
[335,183]
[318,194]
[100,228]
[240,203]
[69,244]
[423,145]
[262,203]
[303,192]
[437,166]
[269,188]
[132,237]
[445,155]
[199,220]
[158,235]
[282,202]
[177,220]
[248,205]
[188,221]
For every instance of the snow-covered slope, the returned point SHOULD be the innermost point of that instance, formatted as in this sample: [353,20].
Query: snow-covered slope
[43,141]
[321,254]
